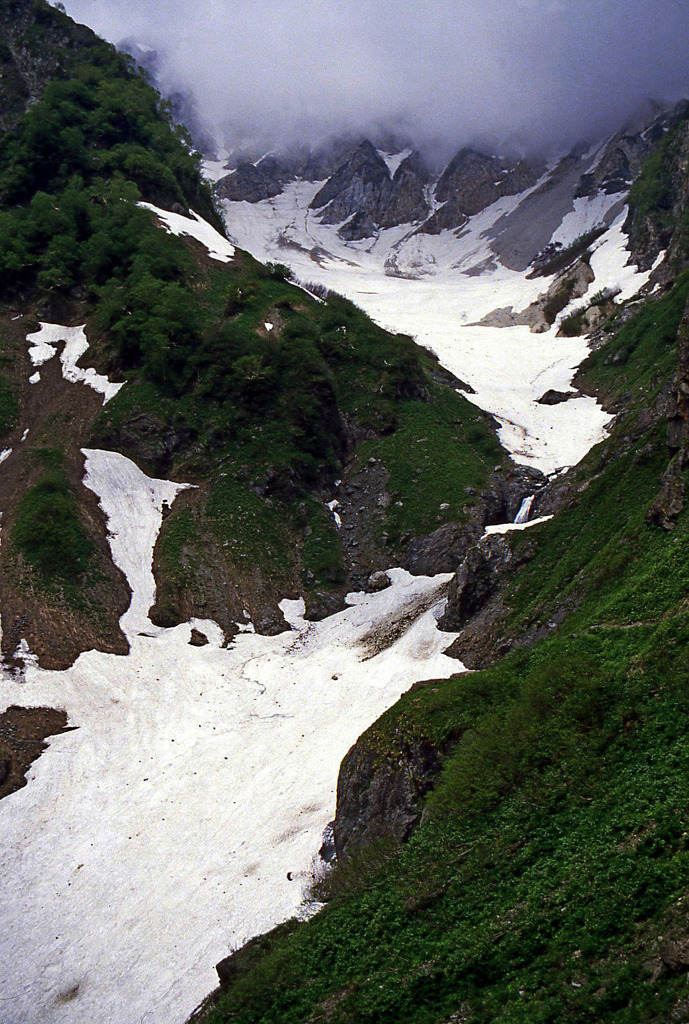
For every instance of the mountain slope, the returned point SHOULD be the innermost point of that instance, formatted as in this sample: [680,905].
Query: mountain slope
[549,874]
[176,419]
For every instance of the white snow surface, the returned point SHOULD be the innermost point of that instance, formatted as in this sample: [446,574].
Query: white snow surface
[393,160]
[333,506]
[195,227]
[515,527]
[5,454]
[610,263]
[44,344]
[436,287]
[159,834]
[588,213]
[133,504]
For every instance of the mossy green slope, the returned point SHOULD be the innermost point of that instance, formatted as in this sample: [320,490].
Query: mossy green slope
[550,877]
[263,420]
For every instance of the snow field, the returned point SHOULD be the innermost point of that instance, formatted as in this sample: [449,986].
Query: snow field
[450,281]
[161,832]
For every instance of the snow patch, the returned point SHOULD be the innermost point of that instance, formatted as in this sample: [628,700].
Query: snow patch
[393,160]
[197,778]
[34,378]
[512,527]
[333,506]
[133,505]
[5,454]
[195,227]
[43,346]
[610,263]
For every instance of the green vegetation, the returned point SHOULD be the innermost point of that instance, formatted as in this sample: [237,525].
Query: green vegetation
[655,195]
[549,879]
[267,418]
[47,530]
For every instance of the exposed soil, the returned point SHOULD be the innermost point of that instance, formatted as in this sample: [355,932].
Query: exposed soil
[57,414]
[23,732]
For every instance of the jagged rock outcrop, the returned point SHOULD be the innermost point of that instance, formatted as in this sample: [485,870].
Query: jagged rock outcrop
[473,180]
[39,43]
[379,798]
[476,580]
[659,203]
[408,203]
[364,194]
[626,152]
[252,183]
[446,218]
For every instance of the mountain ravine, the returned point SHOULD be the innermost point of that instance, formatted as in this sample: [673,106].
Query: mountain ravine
[282,458]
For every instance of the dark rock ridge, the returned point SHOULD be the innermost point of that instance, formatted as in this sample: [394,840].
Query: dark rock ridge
[626,151]
[473,180]
[38,45]
[252,183]
[663,226]
[363,193]
[381,798]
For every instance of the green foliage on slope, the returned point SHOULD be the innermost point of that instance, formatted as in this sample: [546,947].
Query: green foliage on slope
[47,530]
[550,877]
[265,419]
[658,205]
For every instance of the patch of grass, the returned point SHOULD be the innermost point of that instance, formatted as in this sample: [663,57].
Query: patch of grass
[253,530]
[9,407]
[48,532]
[438,450]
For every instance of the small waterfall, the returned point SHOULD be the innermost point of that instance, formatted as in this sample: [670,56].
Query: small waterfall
[522,515]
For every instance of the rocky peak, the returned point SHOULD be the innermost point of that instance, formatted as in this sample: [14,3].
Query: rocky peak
[628,149]
[364,194]
[252,183]
[473,180]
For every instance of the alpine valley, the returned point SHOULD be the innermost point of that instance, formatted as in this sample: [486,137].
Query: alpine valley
[344,579]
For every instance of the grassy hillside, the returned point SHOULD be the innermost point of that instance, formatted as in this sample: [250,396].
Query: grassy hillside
[236,380]
[549,878]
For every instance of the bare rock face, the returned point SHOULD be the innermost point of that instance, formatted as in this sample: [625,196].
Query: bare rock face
[361,185]
[364,195]
[626,152]
[442,550]
[252,183]
[26,69]
[660,228]
[446,218]
[472,181]
[476,580]
[408,203]
[380,798]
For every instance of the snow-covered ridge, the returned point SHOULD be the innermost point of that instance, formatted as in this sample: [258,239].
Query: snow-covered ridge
[197,777]
[194,227]
[44,344]
[438,287]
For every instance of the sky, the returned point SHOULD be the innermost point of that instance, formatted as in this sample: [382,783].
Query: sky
[522,74]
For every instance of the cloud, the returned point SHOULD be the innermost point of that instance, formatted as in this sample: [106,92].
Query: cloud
[520,73]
